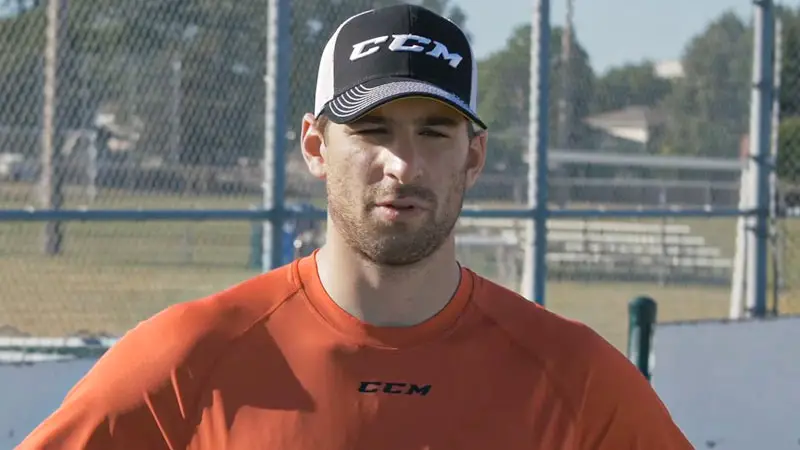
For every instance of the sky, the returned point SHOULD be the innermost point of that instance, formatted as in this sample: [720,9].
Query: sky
[612,31]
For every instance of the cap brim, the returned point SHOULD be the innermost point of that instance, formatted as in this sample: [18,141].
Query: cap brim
[360,100]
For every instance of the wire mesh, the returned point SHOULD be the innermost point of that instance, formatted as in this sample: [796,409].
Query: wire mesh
[142,106]
[125,105]
[655,133]
[785,237]
[161,105]
[111,275]
[161,99]
[664,132]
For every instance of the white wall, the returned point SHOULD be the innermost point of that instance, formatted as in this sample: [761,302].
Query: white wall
[734,384]
[29,393]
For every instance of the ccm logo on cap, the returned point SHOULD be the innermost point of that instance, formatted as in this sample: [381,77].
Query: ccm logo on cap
[406,43]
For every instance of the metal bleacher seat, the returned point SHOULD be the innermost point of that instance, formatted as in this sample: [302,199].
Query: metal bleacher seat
[610,250]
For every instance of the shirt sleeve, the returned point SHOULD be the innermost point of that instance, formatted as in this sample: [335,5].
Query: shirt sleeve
[620,409]
[138,395]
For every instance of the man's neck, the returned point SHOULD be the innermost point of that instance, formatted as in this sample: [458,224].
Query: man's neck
[388,296]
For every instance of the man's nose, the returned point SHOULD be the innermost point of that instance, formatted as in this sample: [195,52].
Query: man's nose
[401,160]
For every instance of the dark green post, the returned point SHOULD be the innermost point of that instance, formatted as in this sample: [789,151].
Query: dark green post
[641,327]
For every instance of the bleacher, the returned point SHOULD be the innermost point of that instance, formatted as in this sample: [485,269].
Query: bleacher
[609,250]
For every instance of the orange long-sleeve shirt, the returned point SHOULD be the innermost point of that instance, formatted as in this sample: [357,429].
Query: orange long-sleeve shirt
[273,363]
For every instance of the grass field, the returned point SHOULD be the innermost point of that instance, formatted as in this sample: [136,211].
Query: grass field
[111,275]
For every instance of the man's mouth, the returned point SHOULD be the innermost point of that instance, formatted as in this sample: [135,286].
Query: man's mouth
[401,205]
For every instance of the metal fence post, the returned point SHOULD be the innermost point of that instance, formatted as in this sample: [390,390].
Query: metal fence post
[535,265]
[641,328]
[760,126]
[774,205]
[279,42]
[53,129]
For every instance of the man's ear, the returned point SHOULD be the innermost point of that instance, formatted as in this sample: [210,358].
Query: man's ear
[476,157]
[312,145]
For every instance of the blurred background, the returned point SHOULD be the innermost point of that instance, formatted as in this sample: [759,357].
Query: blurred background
[151,113]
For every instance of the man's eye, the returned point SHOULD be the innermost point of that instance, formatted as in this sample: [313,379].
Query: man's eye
[369,131]
[433,133]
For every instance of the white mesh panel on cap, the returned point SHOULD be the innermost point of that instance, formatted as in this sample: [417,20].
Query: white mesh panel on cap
[325,81]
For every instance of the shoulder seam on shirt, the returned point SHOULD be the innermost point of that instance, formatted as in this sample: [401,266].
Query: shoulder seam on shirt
[537,360]
[233,341]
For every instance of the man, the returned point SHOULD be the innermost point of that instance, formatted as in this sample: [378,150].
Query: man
[380,339]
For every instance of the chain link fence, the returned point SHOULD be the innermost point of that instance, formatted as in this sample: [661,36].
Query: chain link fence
[161,105]
[786,143]
[141,106]
[126,106]
[651,134]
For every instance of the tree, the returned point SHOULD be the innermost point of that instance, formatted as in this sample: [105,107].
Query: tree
[790,62]
[504,90]
[788,160]
[788,163]
[192,70]
[629,85]
[203,60]
[21,46]
[707,111]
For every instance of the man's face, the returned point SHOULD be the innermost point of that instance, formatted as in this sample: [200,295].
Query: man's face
[396,178]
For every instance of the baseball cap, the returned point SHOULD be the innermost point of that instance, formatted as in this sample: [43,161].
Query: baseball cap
[398,51]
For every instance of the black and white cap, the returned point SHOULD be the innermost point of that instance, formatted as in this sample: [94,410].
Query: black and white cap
[393,52]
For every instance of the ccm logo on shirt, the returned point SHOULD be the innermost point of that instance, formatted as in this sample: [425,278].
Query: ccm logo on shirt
[406,43]
[369,387]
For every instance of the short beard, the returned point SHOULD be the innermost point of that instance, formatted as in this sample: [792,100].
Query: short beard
[394,245]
